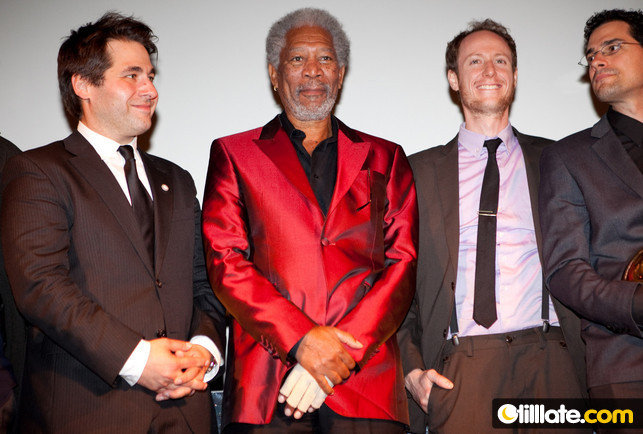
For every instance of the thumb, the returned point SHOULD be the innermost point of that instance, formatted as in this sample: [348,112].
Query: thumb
[348,339]
[440,380]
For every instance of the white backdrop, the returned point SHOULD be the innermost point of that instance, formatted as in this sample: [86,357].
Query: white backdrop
[212,75]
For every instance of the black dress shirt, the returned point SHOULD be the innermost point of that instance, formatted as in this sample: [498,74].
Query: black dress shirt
[321,166]
[630,133]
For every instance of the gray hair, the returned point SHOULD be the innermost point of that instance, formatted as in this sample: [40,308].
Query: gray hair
[304,17]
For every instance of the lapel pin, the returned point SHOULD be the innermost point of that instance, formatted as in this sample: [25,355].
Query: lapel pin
[164,187]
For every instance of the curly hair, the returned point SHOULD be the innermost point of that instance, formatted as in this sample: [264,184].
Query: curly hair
[631,17]
[276,40]
[84,53]
[453,47]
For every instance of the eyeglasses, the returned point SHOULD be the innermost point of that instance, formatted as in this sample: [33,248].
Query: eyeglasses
[607,50]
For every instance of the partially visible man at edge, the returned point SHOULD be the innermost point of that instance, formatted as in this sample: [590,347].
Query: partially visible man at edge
[592,210]
[310,231]
[103,251]
[13,330]
[459,350]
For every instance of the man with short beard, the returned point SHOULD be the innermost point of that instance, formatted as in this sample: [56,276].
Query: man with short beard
[592,210]
[482,325]
[310,233]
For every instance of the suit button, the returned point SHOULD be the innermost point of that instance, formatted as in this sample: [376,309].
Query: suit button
[509,339]
[161,333]
[325,242]
[159,283]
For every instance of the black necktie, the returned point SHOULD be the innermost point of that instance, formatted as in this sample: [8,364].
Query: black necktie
[141,201]
[484,302]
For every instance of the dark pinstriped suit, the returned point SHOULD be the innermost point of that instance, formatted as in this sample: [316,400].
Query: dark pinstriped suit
[81,275]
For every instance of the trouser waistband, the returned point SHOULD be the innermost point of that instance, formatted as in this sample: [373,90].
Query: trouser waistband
[534,335]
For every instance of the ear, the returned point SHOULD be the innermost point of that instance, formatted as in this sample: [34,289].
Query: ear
[453,80]
[274,79]
[81,86]
[342,71]
[516,77]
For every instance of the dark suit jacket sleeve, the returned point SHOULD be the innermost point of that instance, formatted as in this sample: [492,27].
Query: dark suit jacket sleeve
[9,314]
[14,325]
[35,229]
[208,317]
[421,336]
[565,224]
[409,338]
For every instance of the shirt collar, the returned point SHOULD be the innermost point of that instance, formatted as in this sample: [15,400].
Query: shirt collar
[298,135]
[474,142]
[102,144]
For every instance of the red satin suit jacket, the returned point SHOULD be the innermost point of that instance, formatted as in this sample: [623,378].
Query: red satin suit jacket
[281,267]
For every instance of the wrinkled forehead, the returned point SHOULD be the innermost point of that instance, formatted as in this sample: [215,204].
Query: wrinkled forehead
[305,37]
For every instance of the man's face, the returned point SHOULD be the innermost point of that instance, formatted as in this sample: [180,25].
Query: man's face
[486,80]
[309,77]
[618,78]
[121,108]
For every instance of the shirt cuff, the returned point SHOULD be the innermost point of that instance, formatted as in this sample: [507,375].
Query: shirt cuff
[207,343]
[135,364]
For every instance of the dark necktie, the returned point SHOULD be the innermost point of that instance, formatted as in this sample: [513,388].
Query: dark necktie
[484,302]
[141,201]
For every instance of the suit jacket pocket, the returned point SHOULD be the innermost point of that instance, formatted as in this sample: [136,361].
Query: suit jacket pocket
[368,192]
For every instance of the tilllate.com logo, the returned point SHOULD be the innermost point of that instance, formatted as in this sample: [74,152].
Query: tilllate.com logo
[567,413]
[507,413]
[538,413]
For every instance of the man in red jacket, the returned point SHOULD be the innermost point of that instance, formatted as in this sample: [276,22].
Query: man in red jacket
[310,232]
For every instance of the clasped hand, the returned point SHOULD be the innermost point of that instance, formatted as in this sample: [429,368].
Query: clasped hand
[174,368]
[323,362]
[301,393]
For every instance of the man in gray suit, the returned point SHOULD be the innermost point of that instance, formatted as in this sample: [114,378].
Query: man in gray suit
[459,350]
[592,209]
[103,251]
